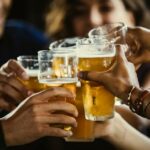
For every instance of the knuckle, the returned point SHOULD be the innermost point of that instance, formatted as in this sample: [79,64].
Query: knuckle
[35,119]
[34,109]
[10,62]
[4,87]
[39,129]
[56,132]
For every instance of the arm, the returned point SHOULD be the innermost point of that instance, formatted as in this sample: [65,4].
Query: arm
[119,80]
[9,81]
[37,116]
[121,134]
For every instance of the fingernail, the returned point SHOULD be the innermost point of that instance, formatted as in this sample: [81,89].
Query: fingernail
[76,124]
[25,76]
[69,133]
[30,93]
[76,114]
[80,75]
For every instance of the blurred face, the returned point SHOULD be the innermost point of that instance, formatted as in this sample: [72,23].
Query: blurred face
[4,7]
[93,13]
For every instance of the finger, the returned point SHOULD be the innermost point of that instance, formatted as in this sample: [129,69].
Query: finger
[91,76]
[11,92]
[14,66]
[4,105]
[54,119]
[55,107]
[15,83]
[120,53]
[47,95]
[57,132]
[135,59]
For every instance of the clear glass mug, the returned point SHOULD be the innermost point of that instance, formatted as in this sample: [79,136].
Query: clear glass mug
[84,132]
[31,66]
[92,56]
[112,32]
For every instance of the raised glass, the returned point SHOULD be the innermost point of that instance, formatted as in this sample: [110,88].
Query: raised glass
[98,102]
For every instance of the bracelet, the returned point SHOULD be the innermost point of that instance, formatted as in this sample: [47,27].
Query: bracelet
[129,102]
[137,105]
[145,108]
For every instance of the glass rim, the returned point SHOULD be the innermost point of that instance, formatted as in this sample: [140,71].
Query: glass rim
[120,24]
[71,41]
[27,57]
[90,39]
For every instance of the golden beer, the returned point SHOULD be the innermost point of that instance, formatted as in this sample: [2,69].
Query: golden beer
[98,102]
[84,130]
[60,69]
[33,83]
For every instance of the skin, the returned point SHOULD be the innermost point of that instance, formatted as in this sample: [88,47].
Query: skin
[139,45]
[94,13]
[119,75]
[121,134]
[10,73]
[4,9]
[117,130]
[37,115]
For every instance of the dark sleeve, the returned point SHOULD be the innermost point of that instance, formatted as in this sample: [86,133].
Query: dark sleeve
[143,72]
[26,36]
[2,139]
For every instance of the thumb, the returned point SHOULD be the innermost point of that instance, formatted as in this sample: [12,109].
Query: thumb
[92,76]
[12,66]
[120,53]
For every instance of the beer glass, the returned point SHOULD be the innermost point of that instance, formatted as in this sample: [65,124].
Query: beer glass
[57,66]
[112,32]
[98,102]
[31,66]
[84,131]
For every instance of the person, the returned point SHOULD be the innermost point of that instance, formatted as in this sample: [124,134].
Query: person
[117,130]
[18,38]
[120,84]
[37,115]
[68,18]
[75,18]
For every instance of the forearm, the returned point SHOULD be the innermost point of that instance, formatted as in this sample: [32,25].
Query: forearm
[128,138]
[2,138]
[139,101]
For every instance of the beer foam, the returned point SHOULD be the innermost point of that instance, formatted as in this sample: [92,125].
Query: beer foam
[32,73]
[95,54]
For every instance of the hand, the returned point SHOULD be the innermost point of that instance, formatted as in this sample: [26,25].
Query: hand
[12,91]
[119,79]
[37,115]
[108,129]
[138,40]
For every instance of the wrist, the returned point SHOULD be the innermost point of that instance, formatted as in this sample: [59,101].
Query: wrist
[139,100]
[118,132]
[6,133]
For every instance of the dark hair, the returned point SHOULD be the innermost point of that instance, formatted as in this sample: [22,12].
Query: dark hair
[59,15]
[139,10]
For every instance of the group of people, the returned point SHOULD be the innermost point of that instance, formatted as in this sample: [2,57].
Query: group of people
[29,116]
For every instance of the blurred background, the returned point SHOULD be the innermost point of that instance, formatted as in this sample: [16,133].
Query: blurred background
[33,11]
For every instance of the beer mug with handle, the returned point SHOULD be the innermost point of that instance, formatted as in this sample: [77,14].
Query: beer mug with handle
[94,56]
[30,63]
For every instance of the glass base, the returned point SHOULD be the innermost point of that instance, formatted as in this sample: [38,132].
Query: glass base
[78,140]
[58,80]
[98,118]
